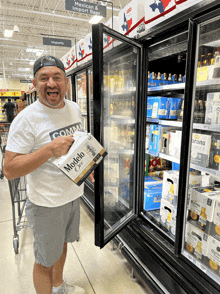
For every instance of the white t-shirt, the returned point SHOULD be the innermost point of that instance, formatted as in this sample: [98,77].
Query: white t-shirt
[33,128]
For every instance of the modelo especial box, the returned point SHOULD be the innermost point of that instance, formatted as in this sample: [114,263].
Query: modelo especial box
[82,158]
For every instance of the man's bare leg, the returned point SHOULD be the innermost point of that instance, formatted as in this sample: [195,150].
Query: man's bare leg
[42,279]
[46,277]
[58,268]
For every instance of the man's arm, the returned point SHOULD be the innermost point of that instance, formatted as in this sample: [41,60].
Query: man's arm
[18,165]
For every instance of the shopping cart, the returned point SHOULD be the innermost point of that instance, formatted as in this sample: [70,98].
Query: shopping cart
[18,191]
[4,129]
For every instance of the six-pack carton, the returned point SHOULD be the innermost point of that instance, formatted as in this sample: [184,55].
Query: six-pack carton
[200,149]
[201,207]
[196,242]
[213,255]
[82,158]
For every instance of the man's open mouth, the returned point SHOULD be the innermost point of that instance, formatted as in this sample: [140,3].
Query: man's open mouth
[52,93]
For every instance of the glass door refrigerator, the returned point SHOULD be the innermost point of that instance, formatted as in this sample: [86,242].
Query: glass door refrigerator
[81,95]
[81,81]
[156,113]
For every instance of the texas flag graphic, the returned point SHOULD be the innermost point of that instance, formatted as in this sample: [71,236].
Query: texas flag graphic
[90,43]
[127,23]
[81,52]
[157,8]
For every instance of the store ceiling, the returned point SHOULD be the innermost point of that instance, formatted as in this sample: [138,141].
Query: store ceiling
[36,19]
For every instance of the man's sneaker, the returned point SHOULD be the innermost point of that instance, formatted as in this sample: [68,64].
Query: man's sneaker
[68,289]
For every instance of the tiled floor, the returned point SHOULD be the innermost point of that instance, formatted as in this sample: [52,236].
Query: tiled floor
[97,271]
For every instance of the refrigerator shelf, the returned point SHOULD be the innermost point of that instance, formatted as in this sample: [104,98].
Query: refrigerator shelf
[172,87]
[181,86]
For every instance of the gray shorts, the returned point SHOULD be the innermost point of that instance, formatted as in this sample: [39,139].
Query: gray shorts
[51,227]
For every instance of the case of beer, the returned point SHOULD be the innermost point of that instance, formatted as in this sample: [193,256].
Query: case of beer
[83,157]
[213,255]
[196,242]
[152,195]
[215,229]
[214,158]
[212,114]
[200,149]
[201,207]
[168,214]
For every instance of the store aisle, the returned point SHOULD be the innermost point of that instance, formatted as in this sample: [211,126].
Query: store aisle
[97,271]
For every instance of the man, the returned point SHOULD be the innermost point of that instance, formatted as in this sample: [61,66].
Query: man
[20,104]
[37,135]
[9,107]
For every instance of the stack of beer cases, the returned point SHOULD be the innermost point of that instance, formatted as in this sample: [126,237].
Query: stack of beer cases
[204,221]
[169,199]
[164,139]
[163,107]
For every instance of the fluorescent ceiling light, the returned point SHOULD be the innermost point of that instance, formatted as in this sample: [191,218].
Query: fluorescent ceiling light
[8,33]
[34,50]
[95,19]
[16,28]
[39,53]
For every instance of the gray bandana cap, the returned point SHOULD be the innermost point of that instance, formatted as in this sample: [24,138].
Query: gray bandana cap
[47,60]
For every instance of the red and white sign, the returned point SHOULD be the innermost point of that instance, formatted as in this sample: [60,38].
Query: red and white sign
[157,11]
[131,17]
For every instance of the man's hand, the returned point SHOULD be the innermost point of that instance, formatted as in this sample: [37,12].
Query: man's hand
[91,176]
[61,145]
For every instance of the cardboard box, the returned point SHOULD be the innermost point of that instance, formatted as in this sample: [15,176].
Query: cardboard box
[82,158]
[212,114]
[215,230]
[152,196]
[168,214]
[175,105]
[201,207]
[131,18]
[213,256]
[158,107]
[214,158]
[202,73]
[196,242]
[200,149]
[170,186]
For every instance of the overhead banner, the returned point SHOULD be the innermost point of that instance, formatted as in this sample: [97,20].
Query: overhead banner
[86,7]
[56,42]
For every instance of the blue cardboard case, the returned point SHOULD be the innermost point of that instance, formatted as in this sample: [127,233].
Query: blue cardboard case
[152,196]
[158,107]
